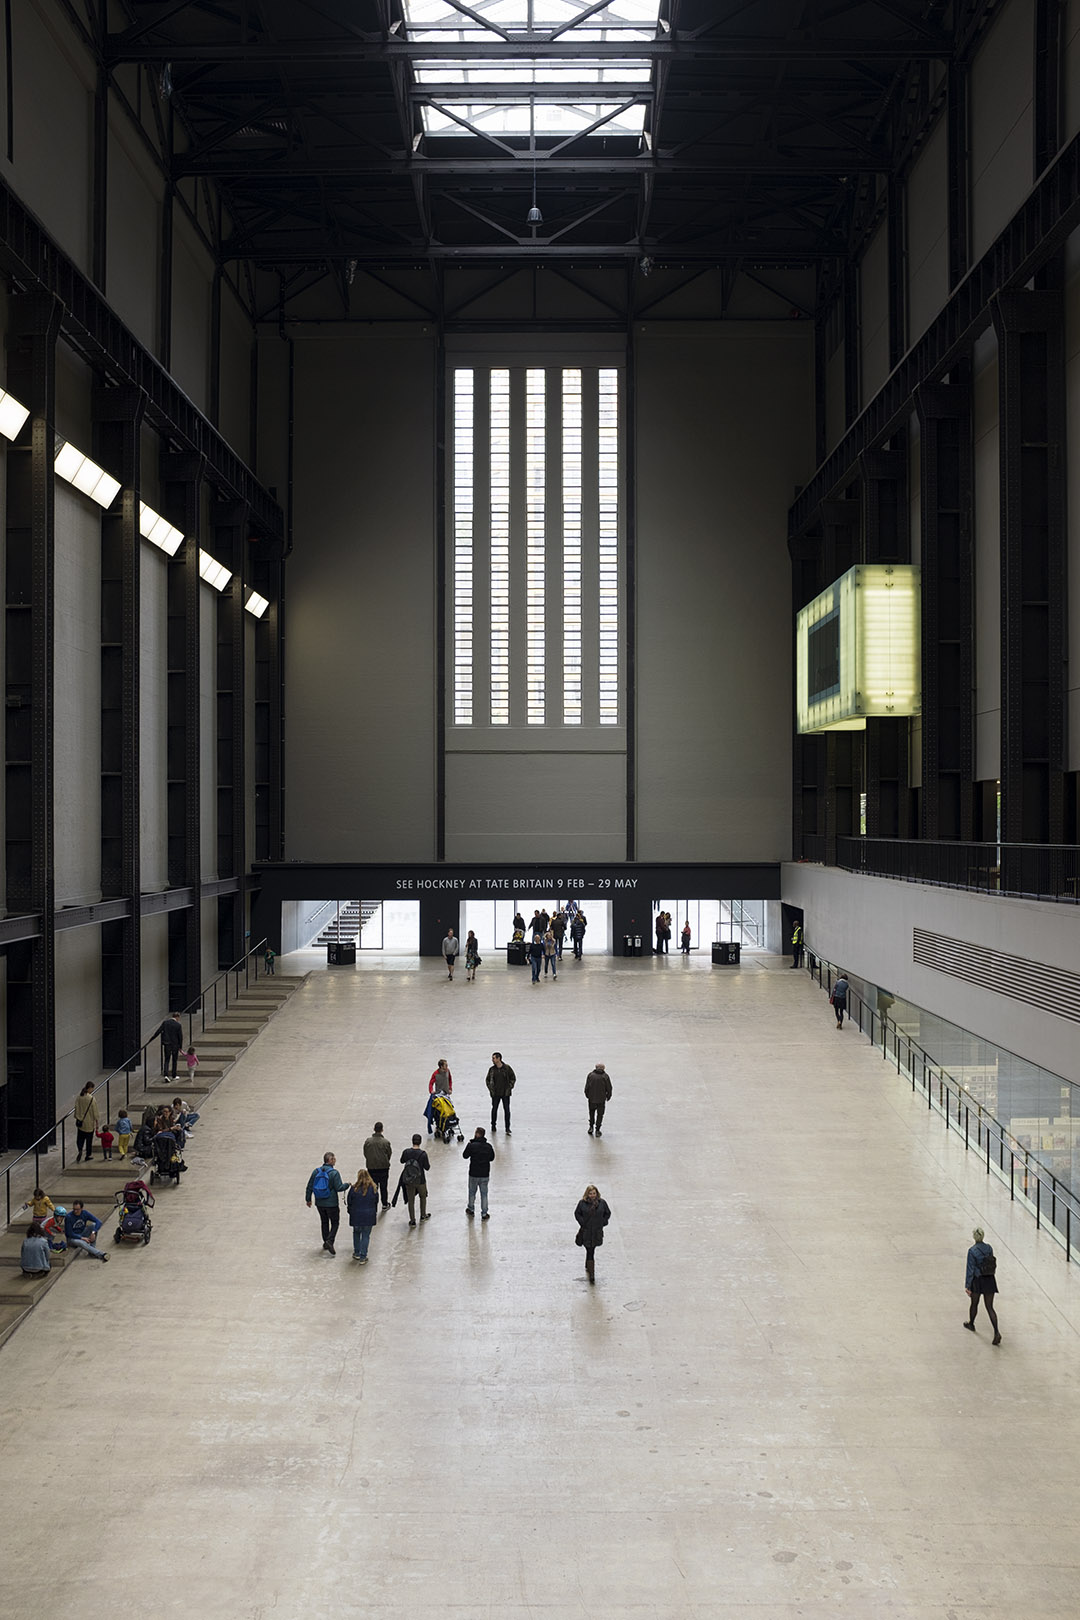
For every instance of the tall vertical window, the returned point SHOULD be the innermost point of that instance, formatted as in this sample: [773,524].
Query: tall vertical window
[463,548]
[608,545]
[571,504]
[499,546]
[536,554]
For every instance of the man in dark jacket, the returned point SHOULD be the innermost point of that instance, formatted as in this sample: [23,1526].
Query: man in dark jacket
[500,1082]
[377,1156]
[479,1153]
[536,956]
[415,1166]
[324,1185]
[558,928]
[578,926]
[171,1031]
[598,1091]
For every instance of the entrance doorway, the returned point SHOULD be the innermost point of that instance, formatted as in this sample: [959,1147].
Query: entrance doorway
[712,920]
[492,921]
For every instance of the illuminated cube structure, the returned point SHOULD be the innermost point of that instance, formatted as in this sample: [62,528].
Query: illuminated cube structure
[857,649]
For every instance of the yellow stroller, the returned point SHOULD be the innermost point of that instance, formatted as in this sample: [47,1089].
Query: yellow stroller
[444,1119]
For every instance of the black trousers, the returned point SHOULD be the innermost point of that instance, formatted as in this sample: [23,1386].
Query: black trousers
[84,1141]
[596,1114]
[380,1177]
[330,1216]
[495,1101]
[169,1054]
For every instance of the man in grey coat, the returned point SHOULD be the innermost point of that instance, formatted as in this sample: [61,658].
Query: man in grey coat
[598,1091]
[377,1156]
[450,949]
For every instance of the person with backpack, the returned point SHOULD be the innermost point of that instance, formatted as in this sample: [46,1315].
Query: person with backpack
[479,1153]
[981,1282]
[577,932]
[324,1185]
[839,1000]
[415,1165]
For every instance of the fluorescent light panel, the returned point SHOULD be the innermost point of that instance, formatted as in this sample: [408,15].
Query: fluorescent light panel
[12,416]
[214,573]
[86,475]
[153,527]
[256,604]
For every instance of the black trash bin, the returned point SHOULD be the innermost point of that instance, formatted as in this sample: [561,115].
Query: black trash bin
[725,952]
[341,953]
[515,953]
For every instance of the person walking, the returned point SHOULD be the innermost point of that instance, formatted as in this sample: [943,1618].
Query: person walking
[377,1157]
[536,956]
[686,937]
[171,1031]
[592,1215]
[500,1082]
[415,1166]
[441,1084]
[551,958]
[81,1228]
[362,1204]
[269,958]
[480,1154]
[324,1185]
[450,949]
[558,928]
[839,1000]
[980,1282]
[472,956]
[87,1121]
[663,933]
[578,926]
[796,945]
[536,927]
[598,1091]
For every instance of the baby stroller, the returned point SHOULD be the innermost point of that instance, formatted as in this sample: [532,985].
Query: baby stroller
[133,1223]
[168,1162]
[444,1119]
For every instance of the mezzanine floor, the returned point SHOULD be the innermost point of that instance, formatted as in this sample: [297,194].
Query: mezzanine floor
[766,1408]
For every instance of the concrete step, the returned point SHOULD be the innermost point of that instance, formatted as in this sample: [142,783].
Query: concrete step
[166,1090]
[11,1245]
[15,1289]
[222,1040]
[97,1197]
[10,1317]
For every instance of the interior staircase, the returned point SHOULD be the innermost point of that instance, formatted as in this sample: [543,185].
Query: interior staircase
[224,1041]
[349,923]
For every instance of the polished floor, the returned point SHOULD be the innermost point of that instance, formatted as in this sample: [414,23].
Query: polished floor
[765,1408]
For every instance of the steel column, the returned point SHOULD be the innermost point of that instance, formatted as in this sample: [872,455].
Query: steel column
[1032,427]
[230,528]
[886,538]
[948,608]
[841,549]
[118,415]
[269,581]
[29,779]
[182,483]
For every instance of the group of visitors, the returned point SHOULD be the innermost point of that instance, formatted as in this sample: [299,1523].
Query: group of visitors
[364,1196]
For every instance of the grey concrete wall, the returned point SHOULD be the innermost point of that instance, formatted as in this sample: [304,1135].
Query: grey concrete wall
[874,314]
[302,919]
[1001,127]
[78,1030]
[135,193]
[360,615]
[724,433]
[865,924]
[1072,463]
[77,697]
[927,234]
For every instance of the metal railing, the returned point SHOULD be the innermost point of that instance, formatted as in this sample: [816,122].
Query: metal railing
[1030,871]
[1053,1204]
[119,1082]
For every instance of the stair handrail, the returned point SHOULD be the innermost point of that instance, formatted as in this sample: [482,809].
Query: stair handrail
[130,1066]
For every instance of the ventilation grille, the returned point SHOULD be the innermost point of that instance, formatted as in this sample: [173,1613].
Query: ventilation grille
[1037,984]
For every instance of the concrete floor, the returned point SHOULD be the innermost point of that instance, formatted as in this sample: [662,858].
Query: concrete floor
[765,1408]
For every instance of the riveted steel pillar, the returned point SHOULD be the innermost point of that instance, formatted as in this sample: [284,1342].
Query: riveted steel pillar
[958,173]
[946,472]
[229,524]
[182,483]
[29,781]
[886,538]
[118,414]
[269,581]
[841,549]
[1031,347]
[808,751]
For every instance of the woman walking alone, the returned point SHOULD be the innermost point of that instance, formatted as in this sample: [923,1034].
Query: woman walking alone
[592,1215]
[981,1281]
[472,956]
[362,1203]
[87,1121]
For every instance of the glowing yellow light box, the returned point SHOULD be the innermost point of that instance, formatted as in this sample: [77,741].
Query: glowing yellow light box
[857,649]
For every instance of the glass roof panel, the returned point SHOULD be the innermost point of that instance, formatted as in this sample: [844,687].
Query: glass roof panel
[552,118]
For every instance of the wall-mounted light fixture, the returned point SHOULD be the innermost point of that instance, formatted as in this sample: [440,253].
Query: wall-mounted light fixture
[857,649]
[153,527]
[256,604]
[214,573]
[12,416]
[86,475]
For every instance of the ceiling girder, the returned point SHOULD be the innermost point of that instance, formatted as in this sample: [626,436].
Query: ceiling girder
[263,166]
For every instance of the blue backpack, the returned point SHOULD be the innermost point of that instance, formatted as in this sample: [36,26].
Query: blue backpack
[320,1185]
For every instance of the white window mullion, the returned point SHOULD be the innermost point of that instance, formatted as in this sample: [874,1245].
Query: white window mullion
[535,549]
[499,544]
[571,508]
[463,512]
[608,537]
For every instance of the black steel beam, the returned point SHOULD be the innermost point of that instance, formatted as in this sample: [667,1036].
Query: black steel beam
[946,473]
[38,265]
[182,484]
[19,928]
[886,538]
[118,416]
[29,772]
[1036,231]
[102,911]
[229,526]
[270,168]
[296,52]
[285,248]
[1030,329]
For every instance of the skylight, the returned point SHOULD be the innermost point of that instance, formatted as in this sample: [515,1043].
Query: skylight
[538,96]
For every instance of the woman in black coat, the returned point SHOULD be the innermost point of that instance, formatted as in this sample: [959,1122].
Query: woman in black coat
[592,1215]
